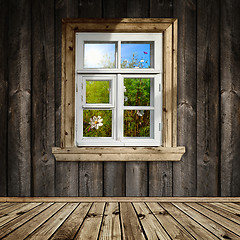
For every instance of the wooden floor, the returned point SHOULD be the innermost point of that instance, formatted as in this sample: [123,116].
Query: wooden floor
[120,220]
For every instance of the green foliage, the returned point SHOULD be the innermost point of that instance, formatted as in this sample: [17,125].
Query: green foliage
[103,131]
[97,91]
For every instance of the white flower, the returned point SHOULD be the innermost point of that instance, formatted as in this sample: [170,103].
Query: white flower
[96,122]
[140,113]
[124,89]
[142,60]
[125,98]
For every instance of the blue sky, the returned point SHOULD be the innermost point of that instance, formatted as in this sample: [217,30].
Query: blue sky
[94,53]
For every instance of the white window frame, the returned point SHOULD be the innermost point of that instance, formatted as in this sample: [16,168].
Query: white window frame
[116,76]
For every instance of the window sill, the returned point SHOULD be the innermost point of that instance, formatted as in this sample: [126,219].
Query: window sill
[109,154]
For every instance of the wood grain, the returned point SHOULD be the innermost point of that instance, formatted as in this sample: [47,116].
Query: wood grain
[230,98]
[184,172]
[131,228]
[208,127]
[160,173]
[3,96]
[137,172]
[92,223]
[19,98]
[43,97]
[66,173]
[110,228]
[70,227]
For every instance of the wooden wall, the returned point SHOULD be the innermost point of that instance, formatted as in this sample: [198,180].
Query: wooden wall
[208,102]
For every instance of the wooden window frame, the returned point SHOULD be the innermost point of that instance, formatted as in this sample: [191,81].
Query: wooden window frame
[169,151]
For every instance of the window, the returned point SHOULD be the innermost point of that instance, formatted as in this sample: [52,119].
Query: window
[118,89]
[106,65]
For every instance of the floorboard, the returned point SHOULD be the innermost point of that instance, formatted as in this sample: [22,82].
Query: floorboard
[120,220]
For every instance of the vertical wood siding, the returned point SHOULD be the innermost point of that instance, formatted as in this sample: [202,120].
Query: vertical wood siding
[208,102]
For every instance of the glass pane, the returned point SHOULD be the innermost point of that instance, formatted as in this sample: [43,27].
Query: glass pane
[137,91]
[97,123]
[99,55]
[137,55]
[97,91]
[137,123]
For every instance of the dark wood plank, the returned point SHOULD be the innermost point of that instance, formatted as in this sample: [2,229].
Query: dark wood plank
[91,226]
[66,172]
[70,227]
[114,8]
[137,172]
[90,174]
[3,96]
[19,99]
[43,99]
[89,8]
[161,8]
[160,173]
[131,228]
[208,142]
[184,172]
[230,98]
[114,179]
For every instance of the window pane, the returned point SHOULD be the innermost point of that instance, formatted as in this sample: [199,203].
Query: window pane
[137,55]
[137,123]
[99,55]
[137,91]
[97,91]
[97,123]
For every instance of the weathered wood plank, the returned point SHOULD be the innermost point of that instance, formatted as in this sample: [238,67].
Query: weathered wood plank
[66,173]
[221,211]
[232,205]
[235,200]
[92,223]
[160,174]
[184,172]
[137,172]
[151,226]
[29,227]
[210,225]
[19,98]
[70,227]
[114,8]
[110,228]
[14,224]
[90,179]
[161,8]
[136,179]
[43,99]
[189,224]
[46,230]
[114,179]
[16,213]
[90,174]
[130,225]
[234,227]
[230,98]
[172,227]
[208,142]
[3,96]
